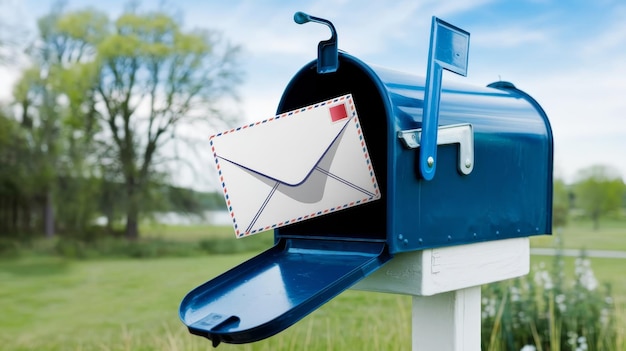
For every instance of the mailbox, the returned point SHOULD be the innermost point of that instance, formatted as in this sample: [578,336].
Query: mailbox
[494,172]
[493,181]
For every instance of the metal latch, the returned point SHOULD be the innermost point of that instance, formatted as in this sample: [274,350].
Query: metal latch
[462,134]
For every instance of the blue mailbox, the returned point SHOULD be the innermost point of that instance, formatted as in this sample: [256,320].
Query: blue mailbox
[478,168]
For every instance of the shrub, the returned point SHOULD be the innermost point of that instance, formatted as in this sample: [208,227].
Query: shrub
[544,312]
[9,248]
[231,245]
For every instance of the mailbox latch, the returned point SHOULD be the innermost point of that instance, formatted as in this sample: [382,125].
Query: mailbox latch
[461,134]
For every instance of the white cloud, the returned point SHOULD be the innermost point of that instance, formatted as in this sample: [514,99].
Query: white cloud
[510,37]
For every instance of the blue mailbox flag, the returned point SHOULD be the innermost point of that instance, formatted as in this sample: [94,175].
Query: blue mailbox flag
[449,47]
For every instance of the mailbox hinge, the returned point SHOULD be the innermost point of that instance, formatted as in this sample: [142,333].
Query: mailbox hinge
[461,134]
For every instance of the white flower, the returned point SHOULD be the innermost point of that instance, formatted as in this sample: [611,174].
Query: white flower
[528,348]
[604,316]
[515,294]
[542,278]
[571,338]
[588,280]
[560,302]
[489,309]
[582,344]
[585,275]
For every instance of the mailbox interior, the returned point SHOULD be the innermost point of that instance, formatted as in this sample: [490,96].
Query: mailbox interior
[363,222]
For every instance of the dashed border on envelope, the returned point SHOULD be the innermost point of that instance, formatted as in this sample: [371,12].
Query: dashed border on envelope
[239,233]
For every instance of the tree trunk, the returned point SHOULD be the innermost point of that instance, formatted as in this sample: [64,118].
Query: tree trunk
[132,212]
[48,215]
[108,213]
[132,228]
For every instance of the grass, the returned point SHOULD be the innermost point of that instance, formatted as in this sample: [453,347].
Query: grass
[51,303]
[188,232]
[579,234]
[54,304]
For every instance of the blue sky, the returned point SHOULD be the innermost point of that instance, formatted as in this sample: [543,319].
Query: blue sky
[569,55]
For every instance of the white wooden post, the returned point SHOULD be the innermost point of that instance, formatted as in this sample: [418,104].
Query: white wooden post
[447,321]
[445,285]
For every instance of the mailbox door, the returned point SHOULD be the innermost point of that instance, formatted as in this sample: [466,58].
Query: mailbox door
[275,289]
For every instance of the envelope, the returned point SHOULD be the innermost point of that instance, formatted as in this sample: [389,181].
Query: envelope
[295,166]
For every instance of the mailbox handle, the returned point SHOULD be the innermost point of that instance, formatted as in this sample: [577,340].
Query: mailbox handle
[449,46]
[327,50]
[462,134]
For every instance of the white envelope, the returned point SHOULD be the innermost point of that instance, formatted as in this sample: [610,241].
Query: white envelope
[295,166]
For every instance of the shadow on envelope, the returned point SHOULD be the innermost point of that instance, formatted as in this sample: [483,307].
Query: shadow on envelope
[312,189]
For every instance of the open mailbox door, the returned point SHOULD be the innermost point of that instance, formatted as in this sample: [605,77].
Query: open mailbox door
[305,163]
[275,289]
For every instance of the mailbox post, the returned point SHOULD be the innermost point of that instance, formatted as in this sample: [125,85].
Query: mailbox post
[445,287]
[348,184]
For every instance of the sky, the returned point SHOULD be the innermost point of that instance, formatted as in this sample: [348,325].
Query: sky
[568,55]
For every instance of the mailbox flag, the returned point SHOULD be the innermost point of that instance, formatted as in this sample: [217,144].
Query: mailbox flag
[449,46]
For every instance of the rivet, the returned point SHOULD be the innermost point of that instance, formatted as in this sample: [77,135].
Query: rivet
[449,237]
[468,163]
[406,241]
[400,237]
[430,161]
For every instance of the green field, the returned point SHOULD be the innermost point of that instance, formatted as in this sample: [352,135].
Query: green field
[580,235]
[51,303]
[577,235]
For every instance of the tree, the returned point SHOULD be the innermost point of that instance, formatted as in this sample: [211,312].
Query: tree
[599,191]
[107,99]
[14,204]
[153,76]
[56,103]
[560,203]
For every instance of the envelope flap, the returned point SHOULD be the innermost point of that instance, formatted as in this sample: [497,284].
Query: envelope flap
[286,147]
[275,289]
